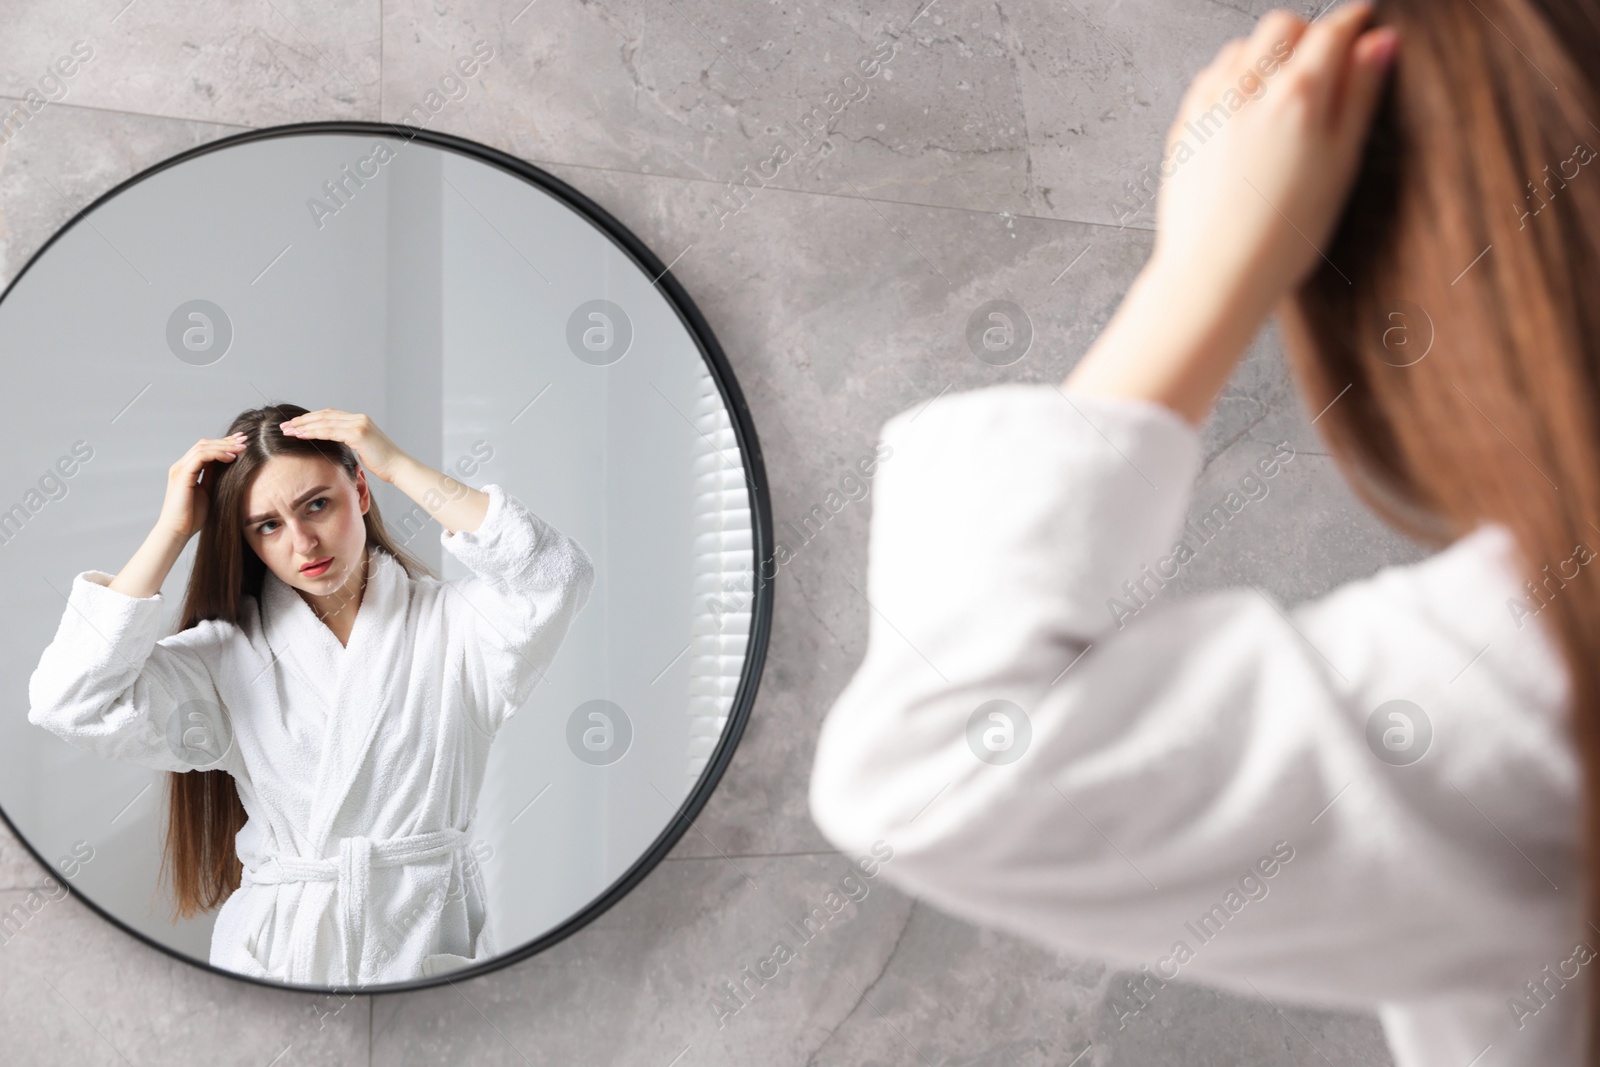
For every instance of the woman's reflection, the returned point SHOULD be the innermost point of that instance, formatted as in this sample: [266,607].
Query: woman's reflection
[327,705]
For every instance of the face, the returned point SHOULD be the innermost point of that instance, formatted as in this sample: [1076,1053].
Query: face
[303,517]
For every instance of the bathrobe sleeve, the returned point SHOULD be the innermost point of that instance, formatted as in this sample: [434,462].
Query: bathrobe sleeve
[1198,772]
[110,683]
[528,582]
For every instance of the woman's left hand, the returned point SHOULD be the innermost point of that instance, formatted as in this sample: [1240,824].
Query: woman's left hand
[378,453]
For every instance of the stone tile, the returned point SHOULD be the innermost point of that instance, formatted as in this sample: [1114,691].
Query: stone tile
[641,984]
[250,64]
[1100,82]
[701,90]
[75,990]
[65,157]
[18,868]
[1048,110]
[881,980]
[952,993]
[1199,1025]
[953,116]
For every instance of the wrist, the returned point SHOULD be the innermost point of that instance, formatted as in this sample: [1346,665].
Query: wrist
[168,539]
[1210,290]
[398,468]
[1175,339]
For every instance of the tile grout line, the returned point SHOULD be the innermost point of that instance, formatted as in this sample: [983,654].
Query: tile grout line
[635,173]
[751,855]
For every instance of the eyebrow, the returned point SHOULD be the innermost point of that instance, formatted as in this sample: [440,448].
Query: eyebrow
[307,495]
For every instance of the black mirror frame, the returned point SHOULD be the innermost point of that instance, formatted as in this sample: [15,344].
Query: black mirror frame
[755,478]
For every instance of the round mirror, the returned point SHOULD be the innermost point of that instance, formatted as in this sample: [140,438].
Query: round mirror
[538,638]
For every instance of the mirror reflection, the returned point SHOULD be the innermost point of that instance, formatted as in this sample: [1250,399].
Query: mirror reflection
[381,560]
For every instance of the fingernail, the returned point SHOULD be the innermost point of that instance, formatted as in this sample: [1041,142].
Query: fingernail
[1384,50]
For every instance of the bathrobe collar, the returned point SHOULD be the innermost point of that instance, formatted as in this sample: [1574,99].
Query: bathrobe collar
[356,680]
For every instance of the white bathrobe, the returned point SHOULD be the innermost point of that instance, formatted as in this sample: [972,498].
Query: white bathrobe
[1197,798]
[359,766]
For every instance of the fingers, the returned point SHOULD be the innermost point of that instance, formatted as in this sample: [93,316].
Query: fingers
[301,425]
[209,449]
[1325,49]
[1364,79]
[308,424]
[1273,40]
[1247,62]
[218,448]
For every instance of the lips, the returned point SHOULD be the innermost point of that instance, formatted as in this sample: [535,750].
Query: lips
[314,570]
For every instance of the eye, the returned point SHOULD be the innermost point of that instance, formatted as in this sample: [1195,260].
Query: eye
[261,528]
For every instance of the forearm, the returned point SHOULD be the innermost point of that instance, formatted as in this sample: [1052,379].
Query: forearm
[150,565]
[455,506]
[1174,340]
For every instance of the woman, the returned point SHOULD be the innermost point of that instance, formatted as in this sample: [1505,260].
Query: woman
[326,713]
[1381,798]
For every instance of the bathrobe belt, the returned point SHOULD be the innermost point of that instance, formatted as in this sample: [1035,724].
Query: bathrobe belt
[351,870]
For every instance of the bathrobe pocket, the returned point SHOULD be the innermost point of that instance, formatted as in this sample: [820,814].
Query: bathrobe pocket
[443,963]
[240,934]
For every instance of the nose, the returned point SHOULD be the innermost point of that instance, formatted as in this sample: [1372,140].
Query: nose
[304,543]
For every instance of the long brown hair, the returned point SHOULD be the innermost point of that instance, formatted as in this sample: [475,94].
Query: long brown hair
[1451,337]
[203,808]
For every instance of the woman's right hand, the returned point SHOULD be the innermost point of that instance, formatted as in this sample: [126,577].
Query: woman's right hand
[188,501]
[1254,196]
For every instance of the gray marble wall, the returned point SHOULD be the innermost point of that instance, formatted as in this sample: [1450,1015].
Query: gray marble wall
[987,159]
